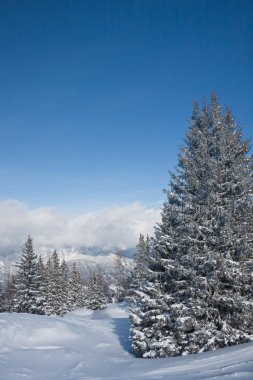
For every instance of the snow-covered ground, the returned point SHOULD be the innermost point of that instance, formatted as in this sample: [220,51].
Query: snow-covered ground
[89,344]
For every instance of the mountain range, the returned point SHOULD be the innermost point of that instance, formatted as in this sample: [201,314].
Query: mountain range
[86,258]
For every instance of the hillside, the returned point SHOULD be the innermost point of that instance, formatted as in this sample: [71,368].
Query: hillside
[89,344]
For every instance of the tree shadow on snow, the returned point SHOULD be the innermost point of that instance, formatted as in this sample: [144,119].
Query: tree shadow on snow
[122,330]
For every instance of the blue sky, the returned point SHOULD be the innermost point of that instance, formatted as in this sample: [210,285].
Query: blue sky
[96,95]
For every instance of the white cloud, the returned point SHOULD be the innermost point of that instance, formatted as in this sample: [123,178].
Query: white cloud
[109,227]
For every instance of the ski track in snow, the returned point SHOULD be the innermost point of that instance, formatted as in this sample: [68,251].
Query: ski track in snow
[94,345]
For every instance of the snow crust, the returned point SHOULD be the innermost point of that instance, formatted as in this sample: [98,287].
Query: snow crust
[87,344]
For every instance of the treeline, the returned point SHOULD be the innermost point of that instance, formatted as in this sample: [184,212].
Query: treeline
[55,288]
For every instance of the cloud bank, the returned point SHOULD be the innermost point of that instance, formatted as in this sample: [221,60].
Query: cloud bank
[107,228]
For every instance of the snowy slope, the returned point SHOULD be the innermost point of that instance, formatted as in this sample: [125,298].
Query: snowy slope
[94,345]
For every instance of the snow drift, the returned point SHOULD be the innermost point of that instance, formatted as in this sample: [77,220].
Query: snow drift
[89,344]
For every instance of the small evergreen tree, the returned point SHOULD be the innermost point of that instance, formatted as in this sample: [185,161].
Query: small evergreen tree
[56,288]
[141,264]
[76,293]
[41,289]
[10,292]
[53,280]
[120,278]
[64,286]
[50,288]
[2,298]
[95,294]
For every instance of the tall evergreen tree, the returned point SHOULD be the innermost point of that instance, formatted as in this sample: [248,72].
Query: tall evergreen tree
[199,296]
[27,286]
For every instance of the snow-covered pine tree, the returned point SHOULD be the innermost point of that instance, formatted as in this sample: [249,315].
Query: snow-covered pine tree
[120,278]
[145,293]
[76,292]
[140,273]
[41,286]
[65,301]
[2,298]
[10,292]
[27,285]
[53,286]
[141,263]
[49,285]
[95,293]
[199,296]
[57,276]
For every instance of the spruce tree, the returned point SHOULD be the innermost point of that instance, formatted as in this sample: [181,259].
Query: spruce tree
[56,288]
[120,278]
[141,261]
[64,286]
[10,292]
[145,298]
[2,298]
[53,286]
[95,294]
[76,294]
[27,285]
[199,296]
[140,273]
[49,286]
[41,286]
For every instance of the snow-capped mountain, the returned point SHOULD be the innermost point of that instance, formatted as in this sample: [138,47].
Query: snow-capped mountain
[86,258]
